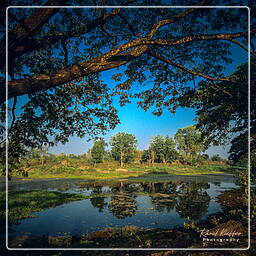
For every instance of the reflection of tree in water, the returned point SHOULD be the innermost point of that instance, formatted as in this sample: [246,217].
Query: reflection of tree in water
[98,202]
[116,187]
[123,205]
[124,187]
[216,183]
[193,202]
[163,195]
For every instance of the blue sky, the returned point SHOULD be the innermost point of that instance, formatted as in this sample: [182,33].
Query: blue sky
[144,125]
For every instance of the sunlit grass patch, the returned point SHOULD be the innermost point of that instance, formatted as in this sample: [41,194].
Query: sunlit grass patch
[111,171]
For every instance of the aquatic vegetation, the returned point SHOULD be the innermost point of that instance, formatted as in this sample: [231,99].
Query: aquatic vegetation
[113,211]
[60,241]
[22,204]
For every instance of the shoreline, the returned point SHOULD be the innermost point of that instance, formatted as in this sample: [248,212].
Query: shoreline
[219,177]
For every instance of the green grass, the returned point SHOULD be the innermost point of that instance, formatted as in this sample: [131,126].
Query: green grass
[22,204]
[112,170]
[186,169]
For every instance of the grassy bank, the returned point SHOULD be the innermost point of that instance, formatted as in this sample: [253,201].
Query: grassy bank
[22,204]
[112,170]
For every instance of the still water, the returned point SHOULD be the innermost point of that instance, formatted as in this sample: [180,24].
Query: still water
[165,202]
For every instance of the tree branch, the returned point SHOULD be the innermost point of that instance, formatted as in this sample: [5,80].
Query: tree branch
[109,60]
[176,18]
[42,82]
[242,46]
[13,113]
[19,48]
[176,41]
[31,24]
[19,38]
[160,57]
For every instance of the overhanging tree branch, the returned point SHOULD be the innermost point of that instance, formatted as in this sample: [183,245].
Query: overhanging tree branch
[242,46]
[42,82]
[31,24]
[18,48]
[162,58]
[116,57]
[176,41]
[176,18]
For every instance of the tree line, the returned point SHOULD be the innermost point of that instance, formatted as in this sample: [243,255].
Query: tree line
[186,146]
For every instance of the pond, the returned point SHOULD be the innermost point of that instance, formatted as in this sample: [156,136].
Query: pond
[160,203]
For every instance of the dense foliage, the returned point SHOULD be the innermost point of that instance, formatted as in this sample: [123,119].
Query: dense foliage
[190,143]
[123,146]
[161,150]
[98,150]
[223,115]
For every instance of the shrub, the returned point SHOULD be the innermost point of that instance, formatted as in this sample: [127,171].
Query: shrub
[216,158]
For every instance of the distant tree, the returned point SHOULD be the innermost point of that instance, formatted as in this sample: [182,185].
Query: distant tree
[145,156]
[216,158]
[190,143]
[205,156]
[72,156]
[123,147]
[138,155]
[158,147]
[98,150]
[52,158]
[170,153]
[162,149]
[38,153]
[108,155]
[62,156]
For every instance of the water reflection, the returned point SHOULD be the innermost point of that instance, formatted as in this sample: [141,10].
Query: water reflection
[189,199]
[193,200]
[99,200]
[145,204]
[123,206]
[163,196]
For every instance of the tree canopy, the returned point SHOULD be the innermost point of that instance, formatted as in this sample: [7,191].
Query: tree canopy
[224,114]
[162,149]
[123,147]
[98,150]
[190,143]
[56,57]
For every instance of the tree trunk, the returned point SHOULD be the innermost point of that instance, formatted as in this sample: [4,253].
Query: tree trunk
[42,160]
[121,159]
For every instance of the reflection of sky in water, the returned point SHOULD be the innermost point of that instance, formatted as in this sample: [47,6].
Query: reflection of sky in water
[214,191]
[81,217]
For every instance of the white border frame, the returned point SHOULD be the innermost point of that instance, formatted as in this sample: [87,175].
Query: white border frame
[131,249]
